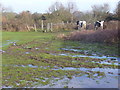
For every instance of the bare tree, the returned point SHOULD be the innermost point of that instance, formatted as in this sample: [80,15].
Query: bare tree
[117,11]
[0,19]
[55,7]
[100,11]
[2,8]
[72,7]
[26,17]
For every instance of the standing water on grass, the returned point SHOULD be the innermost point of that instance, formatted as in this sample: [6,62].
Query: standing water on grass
[110,80]
[86,77]
[8,42]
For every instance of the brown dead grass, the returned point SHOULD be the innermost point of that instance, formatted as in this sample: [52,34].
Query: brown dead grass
[107,36]
[111,25]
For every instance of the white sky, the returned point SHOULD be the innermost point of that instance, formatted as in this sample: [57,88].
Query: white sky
[42,6]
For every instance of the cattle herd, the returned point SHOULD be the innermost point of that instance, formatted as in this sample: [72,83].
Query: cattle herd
[83,25]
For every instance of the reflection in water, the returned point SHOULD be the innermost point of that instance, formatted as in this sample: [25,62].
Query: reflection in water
[9,42]
[105,70]
[109,60]
[27,52]
[109,81]
[2,51]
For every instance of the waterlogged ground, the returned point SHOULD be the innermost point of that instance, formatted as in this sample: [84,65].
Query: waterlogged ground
[41,60]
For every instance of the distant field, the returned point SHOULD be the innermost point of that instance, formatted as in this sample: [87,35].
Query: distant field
[35,59]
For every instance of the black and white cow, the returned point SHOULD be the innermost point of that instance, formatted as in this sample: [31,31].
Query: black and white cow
[81,24]
[98,24]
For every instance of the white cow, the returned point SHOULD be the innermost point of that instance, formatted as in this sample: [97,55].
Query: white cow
[81,24]
[102,22]
[98,24]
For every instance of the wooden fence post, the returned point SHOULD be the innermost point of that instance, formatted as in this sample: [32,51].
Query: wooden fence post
[51,27]
[48,26]
[42,25]
[28,28]
[35,28]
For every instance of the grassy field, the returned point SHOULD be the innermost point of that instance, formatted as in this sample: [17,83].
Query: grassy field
[33,58]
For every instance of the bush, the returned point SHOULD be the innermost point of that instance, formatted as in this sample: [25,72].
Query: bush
[107,36]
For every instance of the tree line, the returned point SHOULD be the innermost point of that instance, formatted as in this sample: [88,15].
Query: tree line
[57,13]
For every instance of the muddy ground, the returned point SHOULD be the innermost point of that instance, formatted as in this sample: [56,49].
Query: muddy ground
[48,62]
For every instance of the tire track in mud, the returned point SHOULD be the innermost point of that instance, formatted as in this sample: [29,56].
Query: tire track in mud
[55,61]
[12,47]
[59,63]
[50,61]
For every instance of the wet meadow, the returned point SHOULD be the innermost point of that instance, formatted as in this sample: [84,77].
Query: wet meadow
[42,60]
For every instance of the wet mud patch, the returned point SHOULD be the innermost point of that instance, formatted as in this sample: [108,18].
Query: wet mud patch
[84,51]
[91,78]
[40,62]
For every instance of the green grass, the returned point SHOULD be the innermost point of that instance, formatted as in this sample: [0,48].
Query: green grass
[24,37]
[47,44]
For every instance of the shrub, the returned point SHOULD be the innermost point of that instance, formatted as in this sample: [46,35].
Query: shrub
[107,36]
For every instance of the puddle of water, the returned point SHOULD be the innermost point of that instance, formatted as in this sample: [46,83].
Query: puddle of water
[108,62]
[29,65]
[103,62]
[27,52]
[86,52]
[97,57]
[94,54]
[63,54]
[80,82]
[14,43]
[32,66]
[37,48]
[105,70]
[71,68]
[118,59]
[83,82]
[10,42]
[7,86]
[108,71]
[75,50]
[95,74]
[2,51]
[109,80]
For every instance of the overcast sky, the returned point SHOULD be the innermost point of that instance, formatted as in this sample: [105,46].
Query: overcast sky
[42,6]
